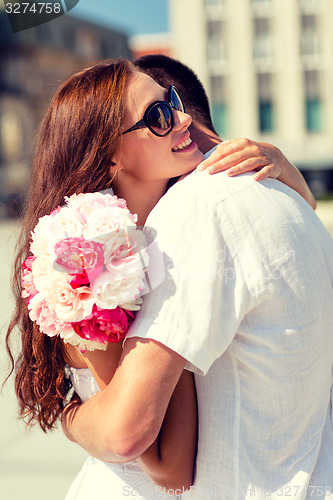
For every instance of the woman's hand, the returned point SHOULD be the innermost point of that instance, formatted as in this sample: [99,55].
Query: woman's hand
[238,156]
[169,460]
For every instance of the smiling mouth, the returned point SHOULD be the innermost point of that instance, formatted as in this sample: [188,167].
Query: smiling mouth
[182,145]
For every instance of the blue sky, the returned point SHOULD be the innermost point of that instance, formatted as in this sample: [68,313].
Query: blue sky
[132,16]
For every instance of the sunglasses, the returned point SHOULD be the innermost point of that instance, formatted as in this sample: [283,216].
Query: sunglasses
[158,116]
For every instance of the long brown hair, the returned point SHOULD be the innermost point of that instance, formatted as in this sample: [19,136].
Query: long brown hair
[77,139]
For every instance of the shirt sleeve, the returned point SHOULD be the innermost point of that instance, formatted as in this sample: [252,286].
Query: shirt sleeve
[200,303]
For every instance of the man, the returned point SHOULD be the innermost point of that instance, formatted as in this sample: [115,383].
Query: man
[235,156]
[247,304]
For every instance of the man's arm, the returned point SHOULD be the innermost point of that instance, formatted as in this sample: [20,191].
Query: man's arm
[188,313]
[128,414]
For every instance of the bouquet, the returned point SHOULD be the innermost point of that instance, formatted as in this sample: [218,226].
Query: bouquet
[84,278]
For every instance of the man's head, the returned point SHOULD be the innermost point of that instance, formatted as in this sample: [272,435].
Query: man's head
[167,71]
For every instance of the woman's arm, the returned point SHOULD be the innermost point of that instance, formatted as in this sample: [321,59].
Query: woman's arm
[243,155]
[169,461]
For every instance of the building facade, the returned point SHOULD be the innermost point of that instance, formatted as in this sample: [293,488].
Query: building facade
[155,43]
[267,65]
[32,64]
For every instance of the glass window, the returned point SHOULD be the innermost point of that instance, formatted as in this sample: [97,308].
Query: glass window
[313,115]
[266,116]
[312,84]
[216,47]
[215,3]
[261,3]
[219,107]
[11,136]
[261,7]
[265,102]
[262,43]
[265,86]
[217,88]
[309,5]
[309,35]
[220,118]
[313,101]
[87,44]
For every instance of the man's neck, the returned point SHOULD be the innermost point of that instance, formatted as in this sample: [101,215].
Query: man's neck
[203,137]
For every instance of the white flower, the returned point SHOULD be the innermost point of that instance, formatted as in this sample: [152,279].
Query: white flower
[103,223]
[43,273]
[110,292]
[62,225]
[70,305]
[125,254]
[70,337]
[40,242]
[125,260]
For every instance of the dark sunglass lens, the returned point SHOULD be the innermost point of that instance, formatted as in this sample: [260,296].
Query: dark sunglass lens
[176,101]
[159,119]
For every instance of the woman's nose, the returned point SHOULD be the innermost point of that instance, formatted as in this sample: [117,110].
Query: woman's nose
[181,120]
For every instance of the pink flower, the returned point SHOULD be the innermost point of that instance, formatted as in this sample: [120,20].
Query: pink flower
[84,259]
[45,317]
[77,280]
[55,211]
[28,286]
[104,325]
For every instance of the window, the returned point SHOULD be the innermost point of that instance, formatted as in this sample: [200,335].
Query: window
[215,3]
[261,3]
[313,115]
[312,84]
[11,136]
[309,5]
[220,118]
[261,7]
[219,107]
[266,117]
[262,43]
[265,102]
[87,44]
[313,102]
[309,36]
[216,47]
[265,86]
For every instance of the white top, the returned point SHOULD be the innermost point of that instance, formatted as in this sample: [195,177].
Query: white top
[99,480]
[247,300]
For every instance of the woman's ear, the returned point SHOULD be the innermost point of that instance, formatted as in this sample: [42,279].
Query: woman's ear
[114,166]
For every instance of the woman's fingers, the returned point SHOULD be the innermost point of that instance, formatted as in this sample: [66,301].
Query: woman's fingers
[222,151]
[239,167]
[238,156]
[272,171]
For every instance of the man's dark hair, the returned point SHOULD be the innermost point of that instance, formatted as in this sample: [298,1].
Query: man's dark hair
[166,71]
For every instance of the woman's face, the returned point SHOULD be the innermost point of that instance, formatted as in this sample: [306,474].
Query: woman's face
[145,157]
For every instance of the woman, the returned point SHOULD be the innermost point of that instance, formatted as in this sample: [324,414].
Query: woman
[96,134]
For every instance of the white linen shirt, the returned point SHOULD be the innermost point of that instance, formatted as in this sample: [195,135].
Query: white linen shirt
[248,301]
